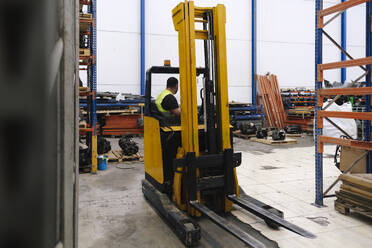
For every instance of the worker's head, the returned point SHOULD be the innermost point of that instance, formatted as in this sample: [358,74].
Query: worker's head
[172,84]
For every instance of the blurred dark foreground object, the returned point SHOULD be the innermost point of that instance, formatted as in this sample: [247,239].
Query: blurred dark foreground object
[38,141]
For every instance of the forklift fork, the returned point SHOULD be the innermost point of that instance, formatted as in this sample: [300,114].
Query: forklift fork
[229,160]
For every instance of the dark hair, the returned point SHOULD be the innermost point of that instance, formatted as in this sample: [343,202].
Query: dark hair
[172,82]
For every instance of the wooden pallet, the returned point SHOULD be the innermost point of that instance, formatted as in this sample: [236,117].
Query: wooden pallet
[239,134]
[84,52]
[345,208]
[86,16]
[270,141]
[118,156]
[293,135]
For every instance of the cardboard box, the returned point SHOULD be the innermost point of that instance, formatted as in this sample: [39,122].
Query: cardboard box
[348,156]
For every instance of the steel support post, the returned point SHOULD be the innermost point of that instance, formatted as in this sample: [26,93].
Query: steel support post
[94,86]
[343,44]
[318,85]
[254,51]
[368,81]
[143,48]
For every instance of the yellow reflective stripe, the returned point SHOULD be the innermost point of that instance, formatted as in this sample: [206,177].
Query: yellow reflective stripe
[160,99]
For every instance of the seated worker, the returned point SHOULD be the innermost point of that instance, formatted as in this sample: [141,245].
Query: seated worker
[166,102]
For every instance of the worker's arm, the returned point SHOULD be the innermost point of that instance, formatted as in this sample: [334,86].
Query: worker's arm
[176,111]
[170,103]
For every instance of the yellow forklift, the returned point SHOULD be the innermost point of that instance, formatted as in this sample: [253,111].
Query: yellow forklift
[190,164]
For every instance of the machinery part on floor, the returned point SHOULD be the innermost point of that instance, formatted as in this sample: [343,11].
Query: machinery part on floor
[192,165]
[128,146]
[262,133]
[103,146]
[277,134]
[293,129]
[248,128]
[83,41]
[84,156]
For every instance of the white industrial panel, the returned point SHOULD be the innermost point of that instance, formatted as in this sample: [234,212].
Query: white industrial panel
[159,48]
[118,15]
[159,16]
[240,94]
[238,19]
[130,87]
[353,73]
[285,20]
[118,57]
[356,25]
[239,62]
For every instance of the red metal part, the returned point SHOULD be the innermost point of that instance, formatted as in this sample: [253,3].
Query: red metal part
[119,125]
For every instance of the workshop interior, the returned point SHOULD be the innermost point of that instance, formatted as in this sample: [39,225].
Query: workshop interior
[179,123]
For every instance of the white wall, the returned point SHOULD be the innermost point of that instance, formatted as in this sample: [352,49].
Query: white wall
[285,46]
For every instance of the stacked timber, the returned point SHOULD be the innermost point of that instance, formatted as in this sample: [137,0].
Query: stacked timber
[300,107]
[272,100]
[355,194]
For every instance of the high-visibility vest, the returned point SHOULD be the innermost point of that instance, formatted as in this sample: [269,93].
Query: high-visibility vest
[160,99]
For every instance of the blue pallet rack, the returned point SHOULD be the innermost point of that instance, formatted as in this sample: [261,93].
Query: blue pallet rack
[319,195]
[91,67]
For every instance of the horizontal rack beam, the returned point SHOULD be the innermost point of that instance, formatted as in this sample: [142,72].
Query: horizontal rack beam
[86,2]
[361,91]
[337,8]
[341,7]
[348,115]
[342,64]
[363,145]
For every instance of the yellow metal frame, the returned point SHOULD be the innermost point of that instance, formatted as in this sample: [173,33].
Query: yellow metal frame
[184,17]
[94,154]
[153,154]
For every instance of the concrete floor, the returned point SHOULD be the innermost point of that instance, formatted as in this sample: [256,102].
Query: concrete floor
[113,212]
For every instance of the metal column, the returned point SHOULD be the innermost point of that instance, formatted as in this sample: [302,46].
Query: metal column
[343,44]
[93,86]
[143,44]
[368,80]
[254,51]
[318,131]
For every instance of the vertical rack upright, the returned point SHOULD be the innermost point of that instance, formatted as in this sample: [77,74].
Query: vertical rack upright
[88,62]
[321,93]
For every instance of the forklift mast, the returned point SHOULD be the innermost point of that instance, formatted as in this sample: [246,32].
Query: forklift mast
[215,101]
[192,167]
[208,24]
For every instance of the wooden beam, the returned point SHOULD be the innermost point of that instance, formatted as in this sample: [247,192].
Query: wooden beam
[341,7]
[342,64]
[363,145]
[360,91]
[337,8]
[347,115]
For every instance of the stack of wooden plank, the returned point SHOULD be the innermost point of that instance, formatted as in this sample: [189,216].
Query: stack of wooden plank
[355,194]
[272,100]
